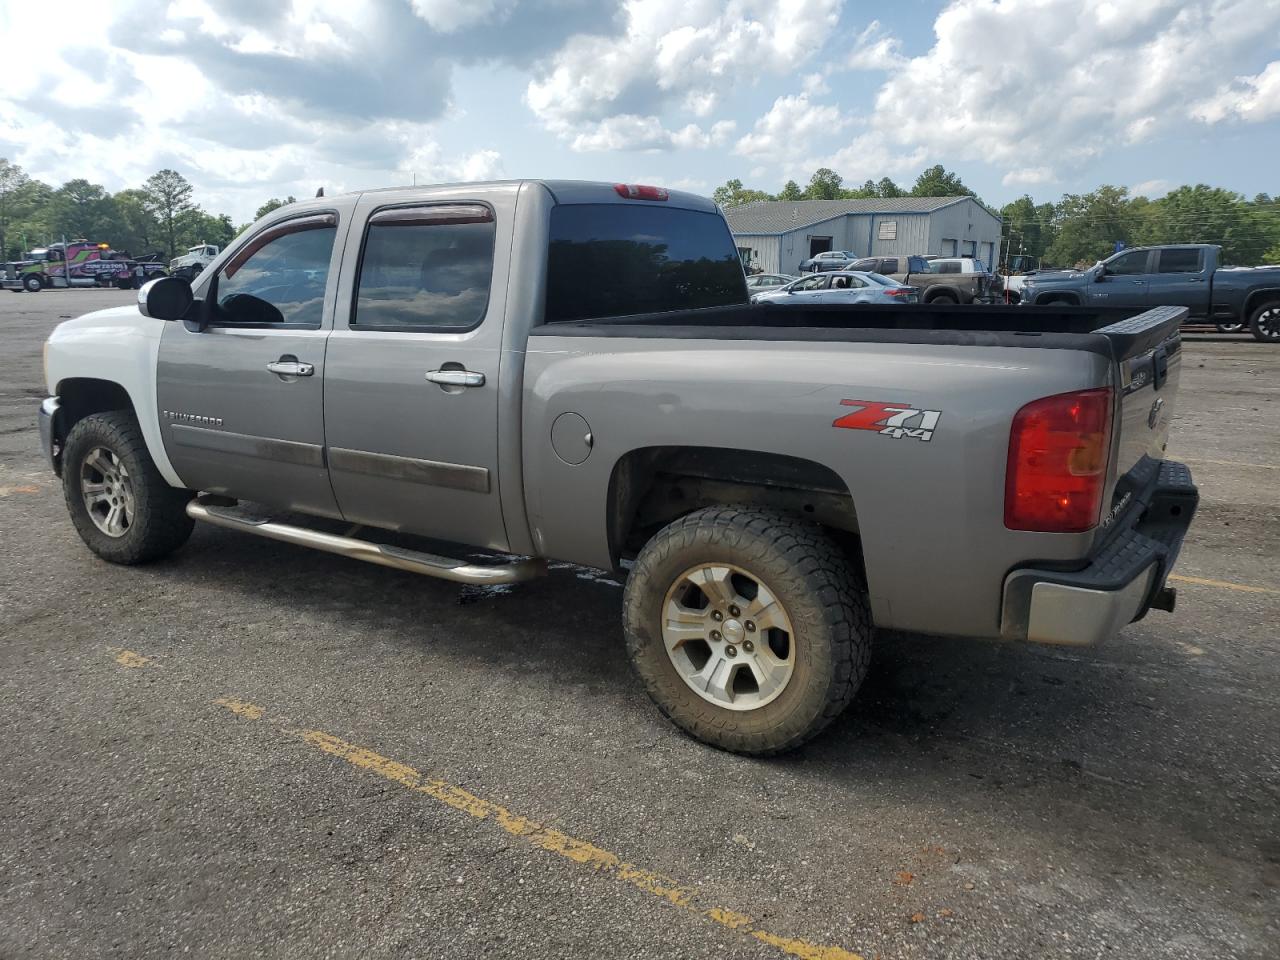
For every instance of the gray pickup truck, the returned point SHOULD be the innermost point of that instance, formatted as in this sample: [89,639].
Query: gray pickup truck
[940,280]
[1182,274]
[572,371]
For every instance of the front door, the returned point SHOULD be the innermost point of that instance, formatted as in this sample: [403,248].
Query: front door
[240,401]
[1125,282]
[810,289]
[1180,280]
[412,380]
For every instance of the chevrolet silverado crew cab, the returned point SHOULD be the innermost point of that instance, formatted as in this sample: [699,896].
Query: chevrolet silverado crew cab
[572,371]
[1184,274]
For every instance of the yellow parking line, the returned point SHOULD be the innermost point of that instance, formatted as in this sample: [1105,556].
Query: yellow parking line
[1241,587]
[1234,463]
[581,852]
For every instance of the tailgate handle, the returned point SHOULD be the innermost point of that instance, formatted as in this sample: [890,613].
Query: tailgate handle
[1159,367]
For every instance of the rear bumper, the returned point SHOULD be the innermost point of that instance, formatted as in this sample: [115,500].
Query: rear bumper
[1122,581]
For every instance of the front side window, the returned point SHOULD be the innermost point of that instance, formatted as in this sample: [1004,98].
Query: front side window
[1128,264]
[1180,261]
[280,275]
[620,259]
[810,283]
[426,268]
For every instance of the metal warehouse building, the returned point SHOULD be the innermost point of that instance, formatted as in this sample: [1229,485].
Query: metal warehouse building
[776,235]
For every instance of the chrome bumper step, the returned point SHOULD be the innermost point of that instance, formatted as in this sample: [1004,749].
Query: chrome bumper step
[217,511]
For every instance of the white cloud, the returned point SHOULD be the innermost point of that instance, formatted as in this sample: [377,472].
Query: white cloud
[1251,99]
[1037,85]
[1028,176]
[630,132]
[789,129]
[673,53]
[448,16]
[1151,189]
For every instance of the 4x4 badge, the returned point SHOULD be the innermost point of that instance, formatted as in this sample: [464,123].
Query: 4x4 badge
[897,420]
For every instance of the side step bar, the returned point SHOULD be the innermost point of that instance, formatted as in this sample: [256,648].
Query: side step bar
[414,561]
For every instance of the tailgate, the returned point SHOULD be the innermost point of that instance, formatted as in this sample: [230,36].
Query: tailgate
[1148,348]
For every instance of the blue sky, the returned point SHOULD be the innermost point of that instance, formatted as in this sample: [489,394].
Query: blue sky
[251,99]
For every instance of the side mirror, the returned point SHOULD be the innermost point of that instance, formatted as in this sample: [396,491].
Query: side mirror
[1099,273]
[165,298]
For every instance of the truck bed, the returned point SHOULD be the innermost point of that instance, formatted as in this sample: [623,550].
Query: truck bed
[1119,333]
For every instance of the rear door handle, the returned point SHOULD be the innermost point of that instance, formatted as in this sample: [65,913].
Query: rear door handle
[456,378]
[290,367]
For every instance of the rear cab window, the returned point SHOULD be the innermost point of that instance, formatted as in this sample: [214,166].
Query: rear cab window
[621,259]
[425,268]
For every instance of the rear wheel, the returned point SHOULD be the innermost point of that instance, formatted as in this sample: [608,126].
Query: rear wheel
[122,508]
[750,630]
[943,298]
[1265,322]
[1237,327]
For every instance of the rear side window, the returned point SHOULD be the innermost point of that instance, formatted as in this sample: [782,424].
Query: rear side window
[614,260]
[888,266]
[1179,261]
[945,266]
[425,268]
[865,266]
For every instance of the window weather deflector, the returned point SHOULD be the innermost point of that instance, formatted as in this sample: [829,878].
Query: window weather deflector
[438,215]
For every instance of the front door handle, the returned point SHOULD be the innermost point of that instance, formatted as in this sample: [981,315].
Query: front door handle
[290,367]
[456,378]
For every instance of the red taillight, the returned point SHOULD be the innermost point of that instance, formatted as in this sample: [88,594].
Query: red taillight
[638,191]
[899,292]
[1057,466]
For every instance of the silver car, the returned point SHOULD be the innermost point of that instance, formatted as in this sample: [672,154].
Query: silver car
[840,286]
[767,281]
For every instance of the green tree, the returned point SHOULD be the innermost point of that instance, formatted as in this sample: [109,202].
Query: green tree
[791,191]
[201,227]
[168,200]
[13,184]
[733,193]
[1028,227]
[136,228]
[1089,225]
[824,185]
[81,209]
[275,204]
[1204,214]
[937,181]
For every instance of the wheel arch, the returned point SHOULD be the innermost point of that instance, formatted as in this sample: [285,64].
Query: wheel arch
[1058,296]
[1257,298]
[940,290]
[80,397]
[649,487]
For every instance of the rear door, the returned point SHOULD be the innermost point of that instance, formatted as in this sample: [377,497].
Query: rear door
[1125,282]
[411,382]
[240,400]
[1181,279]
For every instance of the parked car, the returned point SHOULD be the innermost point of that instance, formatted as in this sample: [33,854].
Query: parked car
[1183,274]
[512,368]
[830,260]
[839,287]
[767,281]
[939,279]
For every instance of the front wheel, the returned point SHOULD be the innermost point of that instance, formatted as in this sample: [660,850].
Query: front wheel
[749,629]
[32,283]
[121,506]
[1265,322]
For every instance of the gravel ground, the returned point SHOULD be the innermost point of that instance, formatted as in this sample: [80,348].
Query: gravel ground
[360,789]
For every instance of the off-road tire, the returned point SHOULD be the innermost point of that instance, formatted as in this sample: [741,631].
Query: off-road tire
[809,573]
[160,523]
[1264,322]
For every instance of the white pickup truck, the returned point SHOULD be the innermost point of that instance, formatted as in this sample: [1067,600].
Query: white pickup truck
[572,371]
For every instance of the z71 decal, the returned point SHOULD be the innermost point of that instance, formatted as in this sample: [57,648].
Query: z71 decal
[895,420]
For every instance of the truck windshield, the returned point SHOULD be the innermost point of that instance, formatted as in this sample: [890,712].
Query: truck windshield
[615,260]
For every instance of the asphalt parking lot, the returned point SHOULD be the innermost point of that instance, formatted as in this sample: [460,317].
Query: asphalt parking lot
[255,750]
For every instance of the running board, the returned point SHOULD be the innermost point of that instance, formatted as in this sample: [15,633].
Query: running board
[212,511]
